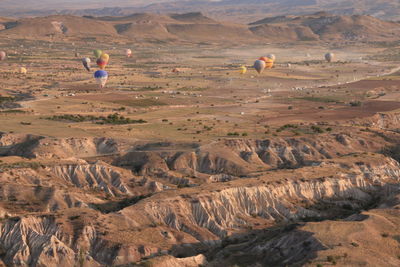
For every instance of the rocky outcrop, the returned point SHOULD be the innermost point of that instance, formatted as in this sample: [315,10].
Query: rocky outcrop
[96,176]
[239,157]
[31,146]
[177,200]
[169,261]
[202,215]
[28,186]
[34,242]
[218,211]
[382,121]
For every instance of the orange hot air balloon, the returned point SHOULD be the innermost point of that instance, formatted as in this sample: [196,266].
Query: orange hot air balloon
[269,63]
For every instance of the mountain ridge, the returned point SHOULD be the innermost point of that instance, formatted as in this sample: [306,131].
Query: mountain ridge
[234,10]
[196,28]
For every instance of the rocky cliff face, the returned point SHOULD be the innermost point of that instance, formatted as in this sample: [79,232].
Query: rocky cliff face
[32,146]
[227,208]
[162,205]
[236,157]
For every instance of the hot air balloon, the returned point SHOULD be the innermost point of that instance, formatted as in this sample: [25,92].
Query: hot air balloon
[105,57]
[329,57]
[86,63]
[272,57]
[22,70]
[259,65]
[128,53]
[3,55]
[101,77]
[97,53]
[269,63]
[101,63]
[242,70]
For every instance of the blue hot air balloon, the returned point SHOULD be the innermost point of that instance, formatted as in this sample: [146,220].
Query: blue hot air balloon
[101,77]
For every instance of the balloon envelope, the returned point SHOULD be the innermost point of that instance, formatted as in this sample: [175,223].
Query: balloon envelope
[22,70]
[105,57]
[101,77]
[100,74]
[97,53]
[329,57]
[86,63]
[259,65]
[3,55]
[243,70]
[101,63]
[269,63]
[271,56]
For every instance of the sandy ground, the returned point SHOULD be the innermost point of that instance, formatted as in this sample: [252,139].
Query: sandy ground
[206,101]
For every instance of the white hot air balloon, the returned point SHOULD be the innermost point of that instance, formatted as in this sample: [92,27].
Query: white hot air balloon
[3,55]
[271,56]
[86,63]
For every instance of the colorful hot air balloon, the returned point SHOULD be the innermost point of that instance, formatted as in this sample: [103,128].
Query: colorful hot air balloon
[242,70]
[86,63]
[269,63]
[101,77]
[128,53]
[101,63]
[3,55]
[105,57]
[259,65]
[97,53]
[329,57]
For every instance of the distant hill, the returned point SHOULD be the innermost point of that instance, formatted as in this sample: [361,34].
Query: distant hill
[198,28]
[57,25]
[192,27]
[327,27]
[247,10]
[236,11]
